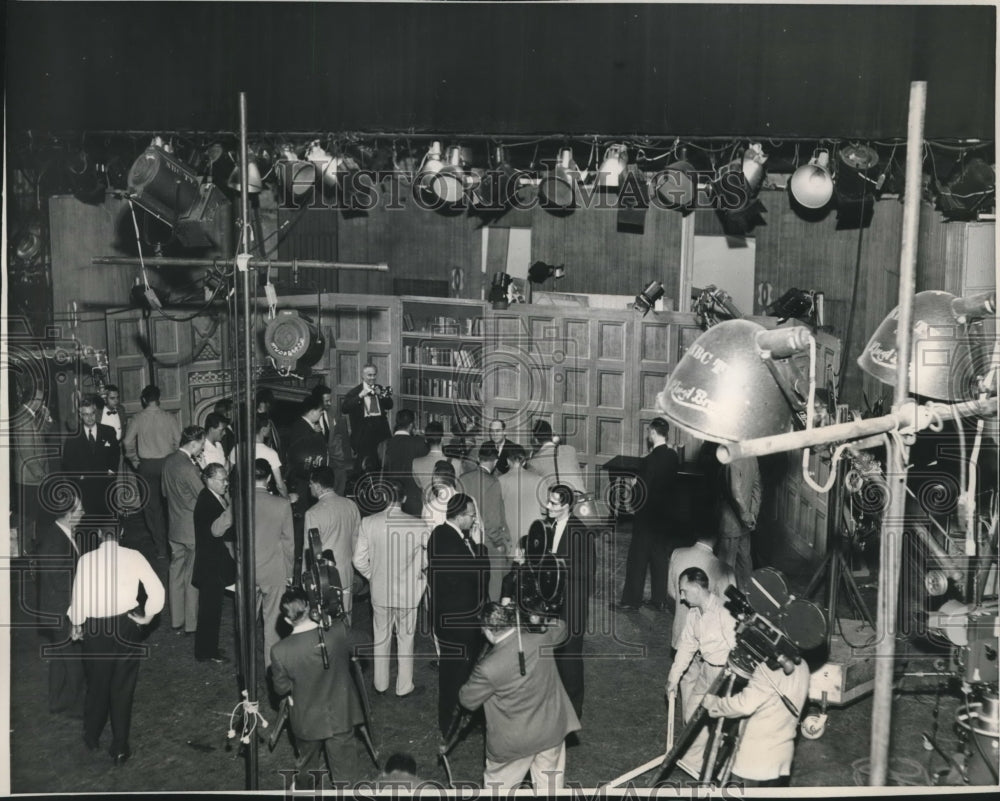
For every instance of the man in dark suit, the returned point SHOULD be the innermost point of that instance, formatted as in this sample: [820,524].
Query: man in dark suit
[59,547]
[403,447]
[458,574]
[502,445]
[112,412]
[653,535]
[369,424]
[566,537]
[274,549]
[333,427]
[307,450]
[214,568]
[483,486]
[90,459]
[325,704]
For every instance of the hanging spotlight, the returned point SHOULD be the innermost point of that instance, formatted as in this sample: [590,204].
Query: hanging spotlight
[942,366]
[677,185]
[498,185]
[539,272]
[812,184]
[559,186]
[450,180]
[298,177]
[735,382]
[293,342]
[429,167]
[255,184]
[961,198]
[646,299]
[612,167]
[855,190]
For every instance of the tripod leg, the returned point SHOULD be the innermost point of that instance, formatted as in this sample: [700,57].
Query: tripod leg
[708,765]
[817,577]
[690,729]
[727,769]
[855,593]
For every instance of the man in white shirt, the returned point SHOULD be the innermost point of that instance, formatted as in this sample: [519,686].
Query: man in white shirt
[105,615]
[391,554]
[112,414]
[708,636]
[702,555]
[214,453]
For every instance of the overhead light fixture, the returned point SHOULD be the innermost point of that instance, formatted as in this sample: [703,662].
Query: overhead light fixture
[558,189]
[855,191]
[812,184]
[298,177]
[736,382]
[735,191]
[942,366]
[539,272]
[255,183]
[168,189]
[293,342]
[962,197]
[677,185]
[613,167]
[646,300]
[429,167]
[449,182]
[498,185]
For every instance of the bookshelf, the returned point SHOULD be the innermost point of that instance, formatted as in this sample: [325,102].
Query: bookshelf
[441,360]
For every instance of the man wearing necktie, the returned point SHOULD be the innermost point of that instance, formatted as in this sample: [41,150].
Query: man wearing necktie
[458,572]
[333,427]
[90,459]
[369,424]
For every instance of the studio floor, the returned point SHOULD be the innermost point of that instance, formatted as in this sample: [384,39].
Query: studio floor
[182,710]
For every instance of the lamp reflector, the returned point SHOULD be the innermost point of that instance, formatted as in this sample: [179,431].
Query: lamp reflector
[811,184]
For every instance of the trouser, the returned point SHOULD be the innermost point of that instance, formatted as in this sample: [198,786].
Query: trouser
[781,781]
[269,608]
[206,638]
[693,685]
[404,620]
[341,758]
[500,564]
[548,769]
[111,662]
[154,513]
[183,594]
[735,553]
[459,650]
[569,657]
[649,551]
[67,684]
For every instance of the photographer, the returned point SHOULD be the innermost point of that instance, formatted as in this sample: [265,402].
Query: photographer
[709,634]
[324,702]
[764,755]
[527,716]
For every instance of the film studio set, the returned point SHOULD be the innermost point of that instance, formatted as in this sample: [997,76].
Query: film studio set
[679,320]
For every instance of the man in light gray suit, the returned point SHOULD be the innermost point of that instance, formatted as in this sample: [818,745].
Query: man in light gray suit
[391,554]
[182,484]
[338,521]
[274,549]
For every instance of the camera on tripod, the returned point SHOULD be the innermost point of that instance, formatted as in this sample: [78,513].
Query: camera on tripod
[321,582]
[774,626]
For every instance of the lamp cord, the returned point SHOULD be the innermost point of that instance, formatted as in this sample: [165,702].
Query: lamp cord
[845,361]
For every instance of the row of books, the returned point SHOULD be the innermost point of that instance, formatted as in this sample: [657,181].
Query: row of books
[443,388]
[450,326]
[439,357]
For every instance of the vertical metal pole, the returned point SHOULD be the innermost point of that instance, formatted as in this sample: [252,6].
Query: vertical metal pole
[246,586]
[897,453]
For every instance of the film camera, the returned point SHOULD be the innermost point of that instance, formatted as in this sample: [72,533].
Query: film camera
[321,582]
[538,584]
[774,626]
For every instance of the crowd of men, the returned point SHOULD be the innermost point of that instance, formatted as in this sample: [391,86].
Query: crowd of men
[480,530]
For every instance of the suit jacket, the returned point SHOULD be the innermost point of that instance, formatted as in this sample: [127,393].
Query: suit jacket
[80,459]
[528,714]
[459,580]
[212,561]
[391,554]
[697,555]
[522,502]
[57,558]
[306,449]
[339,522]
[401,450]
[325,701]
[658,479]
[274,539]
[485,490]
[337,437]
[365,431]
[503,457]
[181,483]
[122,419]
[740,497]
[559,464]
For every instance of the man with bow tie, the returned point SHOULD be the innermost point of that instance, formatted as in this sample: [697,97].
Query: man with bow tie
[369,424]
[90,459]
[59,548]
[113,414]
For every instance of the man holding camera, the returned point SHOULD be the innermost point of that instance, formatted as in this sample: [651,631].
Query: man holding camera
[527,716]
[767,743]
[709,634]
[366,405]
[324,705]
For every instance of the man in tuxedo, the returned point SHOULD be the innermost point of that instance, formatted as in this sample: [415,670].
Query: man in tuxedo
[369,424]
[274,550]
[59,546]
[654,530]
[390,553]
[333,427]
[484,488]
[403,448]
[113,414]
[325,705]
[566,537]
[338,521]
[458,573]
[214,568]
[182,485]
[90,459]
